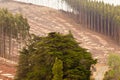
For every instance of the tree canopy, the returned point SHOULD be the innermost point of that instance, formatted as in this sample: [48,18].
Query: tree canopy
[44,57]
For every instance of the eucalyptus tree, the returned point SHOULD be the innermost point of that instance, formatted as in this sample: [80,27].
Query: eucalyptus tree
[12,27]
[98,16]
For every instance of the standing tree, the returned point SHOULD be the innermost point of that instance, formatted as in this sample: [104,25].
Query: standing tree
[52,57]
[12,27]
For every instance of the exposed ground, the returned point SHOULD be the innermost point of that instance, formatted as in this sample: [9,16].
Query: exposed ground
[44,20]
[7,69]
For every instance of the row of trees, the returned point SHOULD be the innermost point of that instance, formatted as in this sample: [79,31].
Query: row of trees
[14,29]
[97,16]
[54,57]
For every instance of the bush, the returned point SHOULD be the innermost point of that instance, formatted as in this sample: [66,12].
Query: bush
[114,64]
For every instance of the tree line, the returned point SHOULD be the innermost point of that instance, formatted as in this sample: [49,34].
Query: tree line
[14,29]
[97,16]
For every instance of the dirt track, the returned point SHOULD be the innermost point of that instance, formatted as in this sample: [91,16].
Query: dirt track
[44,20]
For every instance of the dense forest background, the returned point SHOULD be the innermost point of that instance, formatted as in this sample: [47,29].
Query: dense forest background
[97,16]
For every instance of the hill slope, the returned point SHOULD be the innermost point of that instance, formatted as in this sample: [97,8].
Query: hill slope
[44,20]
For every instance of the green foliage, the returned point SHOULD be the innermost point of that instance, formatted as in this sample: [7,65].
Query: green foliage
[38,60]
[23,64]
[57,70]
[97,16]
[13,27]
[114,64]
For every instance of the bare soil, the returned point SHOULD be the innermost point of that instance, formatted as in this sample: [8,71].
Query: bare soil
[7,69]
[44,20]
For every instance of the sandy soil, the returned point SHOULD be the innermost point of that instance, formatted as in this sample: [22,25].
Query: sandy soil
[44,20]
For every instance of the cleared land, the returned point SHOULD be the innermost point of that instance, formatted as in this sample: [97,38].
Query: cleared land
[44,20]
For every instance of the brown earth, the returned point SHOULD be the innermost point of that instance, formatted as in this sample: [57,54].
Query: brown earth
[44,20]
[7,69]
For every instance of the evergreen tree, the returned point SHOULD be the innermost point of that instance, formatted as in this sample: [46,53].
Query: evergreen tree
[57,70]
[44,57]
